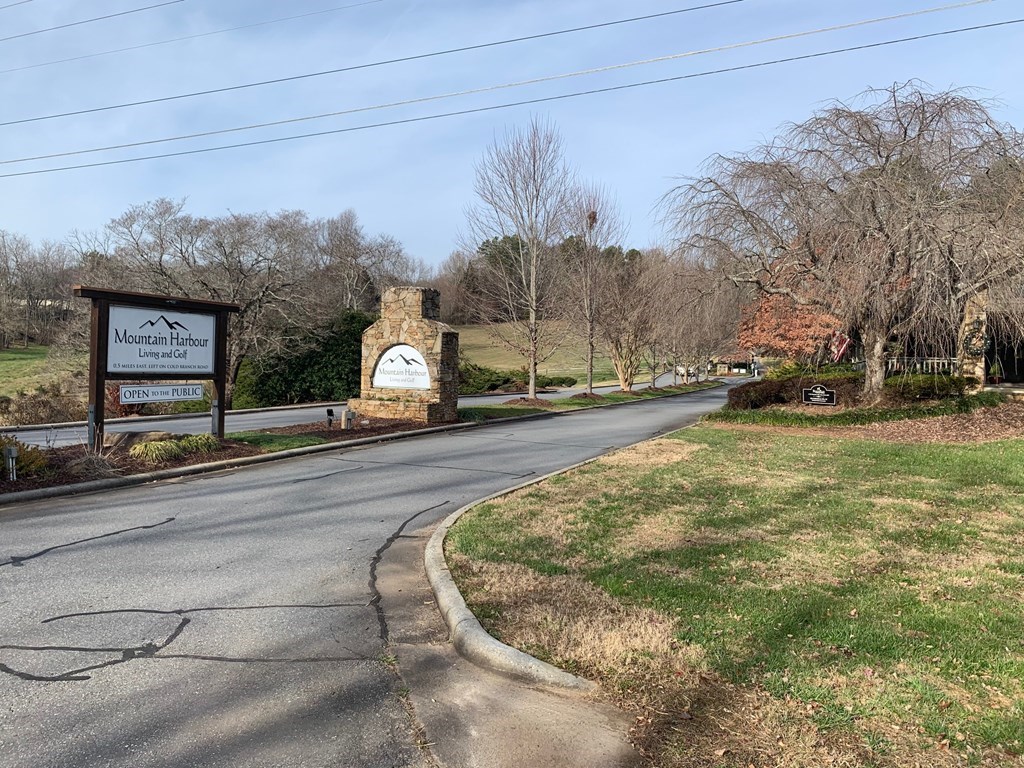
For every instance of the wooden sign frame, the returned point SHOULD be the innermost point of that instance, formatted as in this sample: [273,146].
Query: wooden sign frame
[102,299]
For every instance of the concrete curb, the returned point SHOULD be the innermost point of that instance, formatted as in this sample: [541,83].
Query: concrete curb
[38,494]
[144,419]
[127,481]
[470,639]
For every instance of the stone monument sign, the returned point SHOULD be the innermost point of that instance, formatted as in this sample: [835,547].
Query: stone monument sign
[410,360]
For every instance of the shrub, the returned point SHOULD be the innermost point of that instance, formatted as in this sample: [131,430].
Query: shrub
[790,369]
[113,406]
[327,367]
[925,386]
[476,379]
[157,451]
[785,391]
[556,381]
[204,443]
[50,403]
[30,461]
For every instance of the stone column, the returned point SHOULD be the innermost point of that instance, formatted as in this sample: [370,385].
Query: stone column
[973,339]
[410,360]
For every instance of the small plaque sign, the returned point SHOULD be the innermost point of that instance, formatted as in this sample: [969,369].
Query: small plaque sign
[819,395]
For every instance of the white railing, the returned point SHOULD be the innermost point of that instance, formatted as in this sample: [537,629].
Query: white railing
[921,365]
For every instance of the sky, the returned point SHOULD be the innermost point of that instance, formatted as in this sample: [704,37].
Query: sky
[414,180]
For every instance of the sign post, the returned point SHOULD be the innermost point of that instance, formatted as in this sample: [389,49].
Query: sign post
[151,337]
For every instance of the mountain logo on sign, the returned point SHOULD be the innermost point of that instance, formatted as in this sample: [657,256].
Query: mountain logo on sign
[405,360]
[171,324]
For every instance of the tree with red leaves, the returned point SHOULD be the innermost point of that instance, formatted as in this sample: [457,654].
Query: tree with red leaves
[778,326]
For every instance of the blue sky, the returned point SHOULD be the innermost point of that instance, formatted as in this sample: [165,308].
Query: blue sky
[414,181]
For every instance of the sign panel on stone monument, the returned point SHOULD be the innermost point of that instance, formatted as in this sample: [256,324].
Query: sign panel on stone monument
[142,340]
[401,367]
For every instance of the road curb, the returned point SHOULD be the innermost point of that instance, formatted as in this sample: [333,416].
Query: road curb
[466,633]
[144,419]
[470,639]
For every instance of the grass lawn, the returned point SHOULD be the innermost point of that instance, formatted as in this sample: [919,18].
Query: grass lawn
[768,598]
[23,369]
[477,345]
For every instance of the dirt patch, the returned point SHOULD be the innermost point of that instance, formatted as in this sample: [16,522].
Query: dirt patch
[587,396]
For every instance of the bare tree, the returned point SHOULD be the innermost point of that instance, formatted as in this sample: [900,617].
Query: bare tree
[874,213]
[701,318]
[523,188]
[253,260]
[629,303]
[594,224]
[15,252]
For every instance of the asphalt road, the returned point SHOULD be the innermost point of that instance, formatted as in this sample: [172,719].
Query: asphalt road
[238,421]
[233,619]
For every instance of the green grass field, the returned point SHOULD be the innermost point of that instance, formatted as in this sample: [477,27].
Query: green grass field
[22,369]
[478,345]
[768,598]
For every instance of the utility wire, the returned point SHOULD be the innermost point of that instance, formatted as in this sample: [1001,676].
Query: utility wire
[11,5]
[379,63]
[87,21]
[436,97]
[182,39]
[525,102]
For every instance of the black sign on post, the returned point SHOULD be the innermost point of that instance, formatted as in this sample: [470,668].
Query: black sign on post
[148,336]
[819,395]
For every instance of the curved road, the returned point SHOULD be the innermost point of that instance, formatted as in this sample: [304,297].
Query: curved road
[233,619]
[58,435]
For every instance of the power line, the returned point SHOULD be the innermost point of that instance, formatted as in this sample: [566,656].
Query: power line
[455,94]
[525,102]
[355,67]
[87,21]
[11,5]
[186,37]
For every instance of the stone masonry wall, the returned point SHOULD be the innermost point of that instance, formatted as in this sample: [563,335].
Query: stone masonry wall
[410,316]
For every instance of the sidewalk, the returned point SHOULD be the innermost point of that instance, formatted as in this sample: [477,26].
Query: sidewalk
[469,717]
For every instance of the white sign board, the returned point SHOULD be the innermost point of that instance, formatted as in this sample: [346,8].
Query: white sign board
[160,393]
[401,367]
[144,340]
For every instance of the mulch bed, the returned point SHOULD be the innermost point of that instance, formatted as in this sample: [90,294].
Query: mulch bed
[72,464]
[361,427]
[534,403]
[1003,422]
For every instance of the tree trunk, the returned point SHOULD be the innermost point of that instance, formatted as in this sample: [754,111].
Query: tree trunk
[874,364]
[590,363]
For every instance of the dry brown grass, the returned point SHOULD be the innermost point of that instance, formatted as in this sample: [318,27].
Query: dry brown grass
[653,453]
[684,713]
